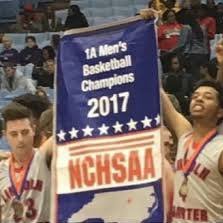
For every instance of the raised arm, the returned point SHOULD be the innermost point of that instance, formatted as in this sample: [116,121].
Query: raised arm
[175,121]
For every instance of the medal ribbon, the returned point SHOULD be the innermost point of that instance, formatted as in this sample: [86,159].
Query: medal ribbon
[189,165]
[19,193]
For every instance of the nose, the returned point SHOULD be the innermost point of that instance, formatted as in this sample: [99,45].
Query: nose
[20,137]
[199,98]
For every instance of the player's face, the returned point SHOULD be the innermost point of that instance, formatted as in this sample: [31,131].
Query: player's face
[20,135]
[205,104]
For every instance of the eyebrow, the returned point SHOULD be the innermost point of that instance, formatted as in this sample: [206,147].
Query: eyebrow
[205,93]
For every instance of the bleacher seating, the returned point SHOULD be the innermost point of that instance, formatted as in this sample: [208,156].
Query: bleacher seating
[101,11]
[62,14]
[105,12]
[9,9]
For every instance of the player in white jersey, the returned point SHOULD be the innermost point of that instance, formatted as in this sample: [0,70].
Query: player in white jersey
[198,181]
[25,176]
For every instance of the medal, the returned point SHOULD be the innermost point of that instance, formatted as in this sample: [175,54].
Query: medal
[18,209]
[184,189]
[189,164]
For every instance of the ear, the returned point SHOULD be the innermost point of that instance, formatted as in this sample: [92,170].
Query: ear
[220,113]
[3,132]
[34,128]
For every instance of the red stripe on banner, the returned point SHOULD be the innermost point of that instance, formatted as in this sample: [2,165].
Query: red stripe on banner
[103,150]
[118,142]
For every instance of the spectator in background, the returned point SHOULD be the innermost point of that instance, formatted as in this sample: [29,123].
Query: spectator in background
[75,18]
[208,22]
[45,76]
[193,44]
[168,36]
[31,53]
[13,79]
[48,53]
[211,8]
[208,71]
[8,54]
[18,27]
[178,82]
[51,23]
[31,22]
[219,17]
[50,19]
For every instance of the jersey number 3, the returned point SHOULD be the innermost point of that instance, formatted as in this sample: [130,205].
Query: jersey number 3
[30,213]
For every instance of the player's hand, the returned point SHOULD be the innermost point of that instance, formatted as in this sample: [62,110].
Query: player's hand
[149,13]
[219,53]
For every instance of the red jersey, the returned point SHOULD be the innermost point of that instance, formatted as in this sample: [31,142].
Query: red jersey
[168,36]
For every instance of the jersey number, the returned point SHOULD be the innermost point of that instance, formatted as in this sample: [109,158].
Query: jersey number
[30,213]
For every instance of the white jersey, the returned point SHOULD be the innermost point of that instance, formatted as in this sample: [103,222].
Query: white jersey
[203,201]
[33,203]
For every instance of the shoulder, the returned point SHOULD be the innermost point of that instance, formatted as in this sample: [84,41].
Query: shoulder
[220,165]
[186,29]
[4,166]
[19,74]
[14,50]
[184,137]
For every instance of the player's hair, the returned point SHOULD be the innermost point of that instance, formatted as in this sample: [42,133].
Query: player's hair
[16,111]
[46,122]
[35,103]
[213,84]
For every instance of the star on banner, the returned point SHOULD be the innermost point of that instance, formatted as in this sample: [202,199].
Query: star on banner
[103,129]
[61,135]
[117,127]
[157,119]
[146,122]
[73,133]
[88,131]
[132,124]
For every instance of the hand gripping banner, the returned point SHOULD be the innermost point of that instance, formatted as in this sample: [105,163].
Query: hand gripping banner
[108,156]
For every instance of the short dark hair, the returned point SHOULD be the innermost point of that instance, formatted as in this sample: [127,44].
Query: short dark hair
[166,13]
[50,51]
[8,64]
[213,84]
[46,122]
[211,67]
[31,38]
[15,111]
[35,103]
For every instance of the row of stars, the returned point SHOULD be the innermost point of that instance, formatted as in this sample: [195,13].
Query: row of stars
[103,130]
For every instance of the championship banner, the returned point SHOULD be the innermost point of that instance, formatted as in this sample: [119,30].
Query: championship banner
[108,156]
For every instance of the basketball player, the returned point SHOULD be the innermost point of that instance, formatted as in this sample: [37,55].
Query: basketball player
[198,180]
[25,176]
[198,186]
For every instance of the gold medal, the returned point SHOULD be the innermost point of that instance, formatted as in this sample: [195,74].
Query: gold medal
[18,209]
[183,190]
